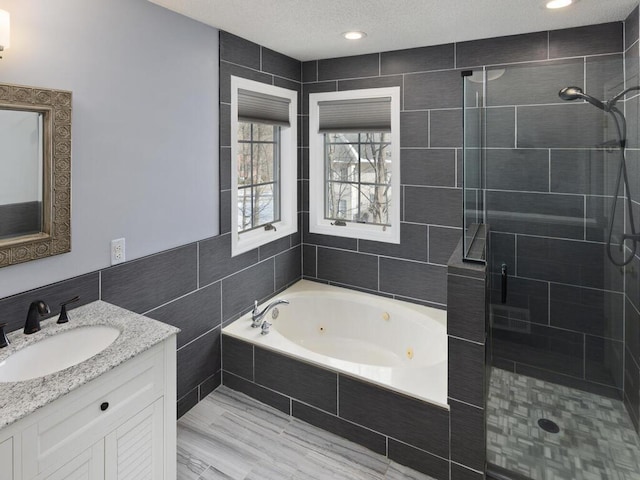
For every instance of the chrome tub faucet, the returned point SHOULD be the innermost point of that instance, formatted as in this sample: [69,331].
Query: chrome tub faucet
[257,315]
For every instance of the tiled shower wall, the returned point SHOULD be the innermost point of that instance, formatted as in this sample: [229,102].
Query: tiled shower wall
[632,277]
[551,167]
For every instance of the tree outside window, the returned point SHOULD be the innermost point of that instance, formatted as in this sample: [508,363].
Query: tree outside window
[258,175]
[358,177]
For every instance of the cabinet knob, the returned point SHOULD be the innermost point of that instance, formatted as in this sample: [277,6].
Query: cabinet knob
[104,406]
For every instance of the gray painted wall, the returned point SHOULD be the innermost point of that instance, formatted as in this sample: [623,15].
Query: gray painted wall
[198,286]
[145,125]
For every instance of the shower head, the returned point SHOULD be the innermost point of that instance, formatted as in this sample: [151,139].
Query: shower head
[574,93]
[570,93]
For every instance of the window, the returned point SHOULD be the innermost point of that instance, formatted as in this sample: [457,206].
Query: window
[263,163]
[355,164]
[258,175]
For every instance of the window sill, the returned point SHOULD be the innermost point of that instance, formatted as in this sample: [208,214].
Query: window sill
[244,242]
[356,230]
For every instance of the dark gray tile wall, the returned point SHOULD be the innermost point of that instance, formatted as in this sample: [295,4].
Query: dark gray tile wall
[143,284]
[13,310]
[312,385]
[492,51]
[372,440]
[364,413]
[631,353]
[524,175]
[591,40]
[536,168]
[166,286]
[549,188]
[397,416]
[467,387]
[430,198]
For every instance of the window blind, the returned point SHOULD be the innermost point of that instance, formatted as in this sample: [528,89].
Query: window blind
[257,107]
[355,115]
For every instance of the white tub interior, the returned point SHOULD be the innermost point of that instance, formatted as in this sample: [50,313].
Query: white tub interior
[394,344]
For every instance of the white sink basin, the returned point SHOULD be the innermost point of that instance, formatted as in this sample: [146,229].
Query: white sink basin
[57,352]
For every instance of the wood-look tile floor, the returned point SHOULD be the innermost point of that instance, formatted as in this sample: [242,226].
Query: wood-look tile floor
[231,436]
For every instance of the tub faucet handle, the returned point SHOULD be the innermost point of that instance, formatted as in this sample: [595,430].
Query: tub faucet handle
[265,328]
[255,315]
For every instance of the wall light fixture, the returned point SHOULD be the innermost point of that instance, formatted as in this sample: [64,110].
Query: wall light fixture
[5,30]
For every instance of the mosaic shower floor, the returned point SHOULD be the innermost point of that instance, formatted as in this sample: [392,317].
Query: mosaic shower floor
[596,439]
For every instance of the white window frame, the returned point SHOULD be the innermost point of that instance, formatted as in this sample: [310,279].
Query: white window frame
[288,224]
[317,222]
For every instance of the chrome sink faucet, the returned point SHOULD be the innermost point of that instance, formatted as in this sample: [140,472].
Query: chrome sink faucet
[257,315]
[36,310]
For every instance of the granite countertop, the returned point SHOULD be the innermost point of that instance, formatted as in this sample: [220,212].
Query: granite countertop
[138,333]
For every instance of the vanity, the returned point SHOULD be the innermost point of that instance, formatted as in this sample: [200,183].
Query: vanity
[111,416]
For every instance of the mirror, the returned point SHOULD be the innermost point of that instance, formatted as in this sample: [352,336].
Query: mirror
[21,143]
[35,184]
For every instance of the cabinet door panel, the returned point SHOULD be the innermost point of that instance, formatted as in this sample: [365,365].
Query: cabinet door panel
[6,459]
[79,422]
[134,451]
[89,465]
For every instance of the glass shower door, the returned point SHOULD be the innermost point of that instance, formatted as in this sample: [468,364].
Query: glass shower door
[556,326]
[473,192]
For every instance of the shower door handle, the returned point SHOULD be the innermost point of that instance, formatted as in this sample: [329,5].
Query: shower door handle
[503,291]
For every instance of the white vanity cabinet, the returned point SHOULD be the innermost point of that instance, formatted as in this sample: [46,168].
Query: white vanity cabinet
[118,426]
[6,459]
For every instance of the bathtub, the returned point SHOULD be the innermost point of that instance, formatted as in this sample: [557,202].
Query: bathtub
[396,345]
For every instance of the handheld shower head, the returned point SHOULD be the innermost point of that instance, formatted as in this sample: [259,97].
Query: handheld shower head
[574,93]
[570,93]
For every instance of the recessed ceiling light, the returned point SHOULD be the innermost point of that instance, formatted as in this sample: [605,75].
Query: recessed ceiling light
[559,3]
[354,35]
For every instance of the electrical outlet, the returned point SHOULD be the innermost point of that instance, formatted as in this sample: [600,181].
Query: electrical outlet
[117,251]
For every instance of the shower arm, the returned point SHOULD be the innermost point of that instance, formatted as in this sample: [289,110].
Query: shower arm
[611,103]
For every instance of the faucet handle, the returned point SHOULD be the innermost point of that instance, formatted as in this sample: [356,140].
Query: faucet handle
[265,328]
[255,306]
[64,317]
[4,341]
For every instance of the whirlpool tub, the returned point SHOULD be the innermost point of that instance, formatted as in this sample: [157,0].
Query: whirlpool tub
[397,345]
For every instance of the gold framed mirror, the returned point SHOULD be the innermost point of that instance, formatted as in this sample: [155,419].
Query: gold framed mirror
[35,173]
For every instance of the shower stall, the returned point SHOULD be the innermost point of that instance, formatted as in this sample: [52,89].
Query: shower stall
[552,172]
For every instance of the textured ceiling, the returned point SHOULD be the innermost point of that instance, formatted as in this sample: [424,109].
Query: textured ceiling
[311,29]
